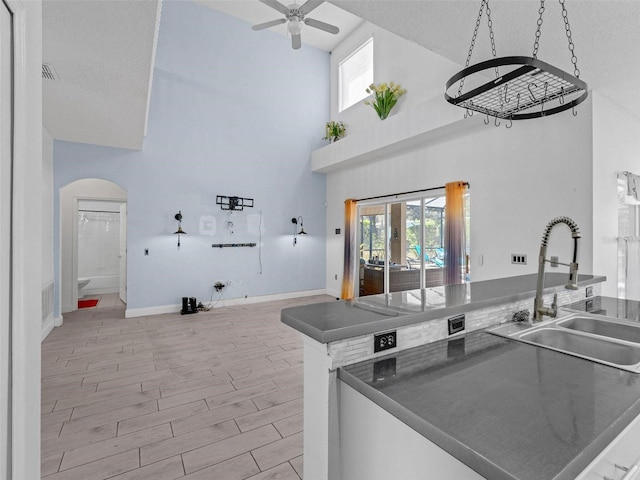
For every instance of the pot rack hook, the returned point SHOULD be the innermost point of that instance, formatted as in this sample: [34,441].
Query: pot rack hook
[506,100]
[533,97]
[486,120]
[561,96]
[468,113]
[496,122]
[546,87]
[573,110]
[510,124]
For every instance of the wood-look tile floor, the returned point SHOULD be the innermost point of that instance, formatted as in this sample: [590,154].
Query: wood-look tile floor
[215,395]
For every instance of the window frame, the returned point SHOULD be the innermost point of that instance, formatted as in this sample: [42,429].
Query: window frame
[386,202]
[355,51]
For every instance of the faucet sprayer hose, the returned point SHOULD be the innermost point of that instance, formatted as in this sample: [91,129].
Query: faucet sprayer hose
[575,231]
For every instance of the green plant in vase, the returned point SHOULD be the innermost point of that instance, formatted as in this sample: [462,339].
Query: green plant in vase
[334,131]
[384,97]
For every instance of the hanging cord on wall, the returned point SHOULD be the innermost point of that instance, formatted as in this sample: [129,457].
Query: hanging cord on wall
[211,304]
[260,244]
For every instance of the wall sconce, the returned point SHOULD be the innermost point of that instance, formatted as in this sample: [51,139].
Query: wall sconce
[295,222]
[178,217]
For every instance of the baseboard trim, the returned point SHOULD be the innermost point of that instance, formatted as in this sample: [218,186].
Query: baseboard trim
[334,293]
[87,292]
[47,327]
[163,309]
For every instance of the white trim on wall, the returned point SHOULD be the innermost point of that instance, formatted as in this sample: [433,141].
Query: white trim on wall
[27,234]
[163,309]
[6,206]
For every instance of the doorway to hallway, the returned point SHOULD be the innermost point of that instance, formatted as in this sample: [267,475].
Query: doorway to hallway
[93,259]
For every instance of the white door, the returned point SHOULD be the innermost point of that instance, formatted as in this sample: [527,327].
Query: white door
[123,252]
[6,159]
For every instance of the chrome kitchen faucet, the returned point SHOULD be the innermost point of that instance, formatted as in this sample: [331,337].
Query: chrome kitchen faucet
[539,310]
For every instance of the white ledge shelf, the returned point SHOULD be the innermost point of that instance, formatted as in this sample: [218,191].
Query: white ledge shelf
[425,123]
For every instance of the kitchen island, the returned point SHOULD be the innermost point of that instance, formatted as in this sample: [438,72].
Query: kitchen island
[505,409]
[478,386]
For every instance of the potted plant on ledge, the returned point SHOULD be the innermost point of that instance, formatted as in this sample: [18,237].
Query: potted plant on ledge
[384,97]
[334,131]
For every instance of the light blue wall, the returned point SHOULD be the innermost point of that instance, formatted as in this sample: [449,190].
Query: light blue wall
[233,112]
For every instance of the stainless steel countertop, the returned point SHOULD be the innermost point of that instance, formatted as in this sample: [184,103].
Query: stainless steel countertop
[509,410]
[328,322]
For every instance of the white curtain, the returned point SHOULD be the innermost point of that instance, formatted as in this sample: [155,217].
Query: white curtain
[633,186]
[632,287]
[629,236]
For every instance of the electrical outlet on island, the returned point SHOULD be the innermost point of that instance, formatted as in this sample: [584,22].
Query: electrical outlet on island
[384,341]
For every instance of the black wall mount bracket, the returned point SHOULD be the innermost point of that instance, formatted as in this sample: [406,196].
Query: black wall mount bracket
[233,203]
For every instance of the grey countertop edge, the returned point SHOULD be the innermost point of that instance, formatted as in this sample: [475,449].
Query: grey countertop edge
[401,319]
[471,458]
[578,464]
[457,449]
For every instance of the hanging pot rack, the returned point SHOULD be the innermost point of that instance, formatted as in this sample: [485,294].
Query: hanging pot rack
[531,89]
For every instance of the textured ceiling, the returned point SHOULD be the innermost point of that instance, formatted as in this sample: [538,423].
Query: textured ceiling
[103,50]
[255,12]
[103,53]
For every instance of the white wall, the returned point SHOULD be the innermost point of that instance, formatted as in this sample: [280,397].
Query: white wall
[48,285]
[520,178]
[616,148]
[226,118]
[95,189]
[422,72]
[47,206]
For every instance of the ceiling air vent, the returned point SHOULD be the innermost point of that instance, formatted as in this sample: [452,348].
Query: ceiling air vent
[48,72]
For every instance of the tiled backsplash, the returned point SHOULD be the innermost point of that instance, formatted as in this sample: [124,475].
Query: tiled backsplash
[357,349]
[409,361]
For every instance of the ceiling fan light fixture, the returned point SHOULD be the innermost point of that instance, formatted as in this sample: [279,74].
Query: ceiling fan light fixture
[294,27]
[296,16]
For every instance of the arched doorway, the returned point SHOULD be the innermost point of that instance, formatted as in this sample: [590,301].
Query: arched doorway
[92,218]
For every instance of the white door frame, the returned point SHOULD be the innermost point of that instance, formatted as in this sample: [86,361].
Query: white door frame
[6,208]
[74,235]
[123,253]
[23,449]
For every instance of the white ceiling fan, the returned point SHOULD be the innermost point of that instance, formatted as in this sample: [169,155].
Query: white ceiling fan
[296,16]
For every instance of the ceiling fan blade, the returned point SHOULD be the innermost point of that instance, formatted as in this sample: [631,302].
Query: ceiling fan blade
[277,5]
[309,5]
[272,23]
[321,25]
[296,42]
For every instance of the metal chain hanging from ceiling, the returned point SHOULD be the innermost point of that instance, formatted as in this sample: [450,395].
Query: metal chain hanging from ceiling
[531,83]
[567,29]
[475,35]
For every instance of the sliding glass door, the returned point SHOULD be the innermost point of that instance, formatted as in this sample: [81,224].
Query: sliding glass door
[402,243]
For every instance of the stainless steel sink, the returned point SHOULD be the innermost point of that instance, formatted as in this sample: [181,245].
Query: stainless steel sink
[600,339]
[606,328]
[587,346]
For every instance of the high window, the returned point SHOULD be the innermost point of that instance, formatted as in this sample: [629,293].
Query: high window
[355,74]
